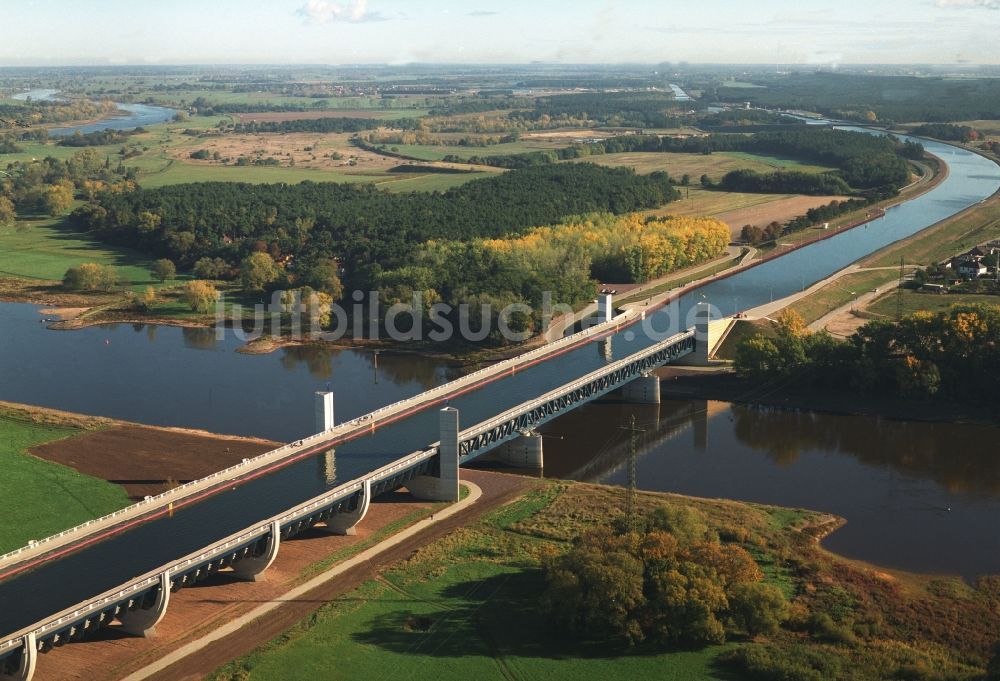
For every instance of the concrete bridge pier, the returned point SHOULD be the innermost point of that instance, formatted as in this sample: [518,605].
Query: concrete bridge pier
[324,411]
[702,335]
[523,452]
[251,568]
[444,485]
[345,523]
[643,390]
[605,308]
[26,665]
[143,621]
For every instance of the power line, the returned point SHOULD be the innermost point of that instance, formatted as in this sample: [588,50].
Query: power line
[631,493]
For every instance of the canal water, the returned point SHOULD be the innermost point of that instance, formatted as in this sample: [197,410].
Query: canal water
[134,116]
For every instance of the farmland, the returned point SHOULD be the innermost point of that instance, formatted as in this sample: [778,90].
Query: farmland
[695,165]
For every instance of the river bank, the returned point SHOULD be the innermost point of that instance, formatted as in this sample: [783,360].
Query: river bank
[106,309]
[724,385]
[876,624]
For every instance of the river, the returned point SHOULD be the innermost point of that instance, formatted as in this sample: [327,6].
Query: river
[916,496]
[171,376]
[134,116]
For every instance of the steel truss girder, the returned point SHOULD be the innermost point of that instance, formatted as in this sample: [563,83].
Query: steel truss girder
[542,412]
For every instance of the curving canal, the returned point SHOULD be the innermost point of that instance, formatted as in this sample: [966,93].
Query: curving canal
[147,386]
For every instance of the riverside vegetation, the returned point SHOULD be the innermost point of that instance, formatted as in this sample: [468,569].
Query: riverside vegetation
[950,355]
[559,584]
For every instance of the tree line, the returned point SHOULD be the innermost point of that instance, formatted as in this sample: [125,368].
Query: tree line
[321,125]
[98,138]
[48,186]
[631,109]
[886,99]
[952,355]
[366,228]
[34,112]
[561,260]
[783,182]
[863,161]
[947,131]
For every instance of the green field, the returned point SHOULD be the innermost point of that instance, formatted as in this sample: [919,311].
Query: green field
[162,172]
[46,248]
[170,171]
[38,498]
[164,149]
[36,151]
[470,605]
[841,292]
[462,608]
[384,108]
[916,301]
[952,237]
[714,165]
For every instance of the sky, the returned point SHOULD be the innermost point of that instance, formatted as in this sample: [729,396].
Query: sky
[97,32]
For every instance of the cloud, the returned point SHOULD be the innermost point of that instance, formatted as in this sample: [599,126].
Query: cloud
[967,4]
[482,13]
[324,12]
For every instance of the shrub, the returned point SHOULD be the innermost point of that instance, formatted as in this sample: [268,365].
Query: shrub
[757,607]
[211,268]
[90,277]
[200,296]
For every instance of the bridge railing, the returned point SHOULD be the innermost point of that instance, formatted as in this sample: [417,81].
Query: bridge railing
[84,610]
[514,412]
[178,493]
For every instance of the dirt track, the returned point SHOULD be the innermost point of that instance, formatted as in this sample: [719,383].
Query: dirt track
[307,115]
[218,600]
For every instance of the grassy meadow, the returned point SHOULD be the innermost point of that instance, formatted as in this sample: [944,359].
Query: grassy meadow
[698,201]
[466,607]
[940,242]
[469,606]
[841,292]
[916,301]
[39,498]
[45,248]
